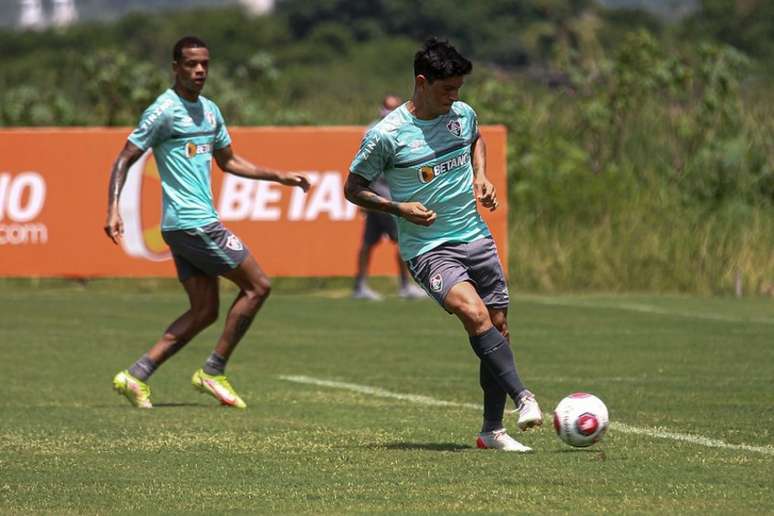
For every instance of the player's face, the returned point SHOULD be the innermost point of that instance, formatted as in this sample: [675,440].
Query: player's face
[442,93]
[191,69]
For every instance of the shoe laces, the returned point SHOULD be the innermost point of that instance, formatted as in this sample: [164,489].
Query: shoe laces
[499,435]
[525,400]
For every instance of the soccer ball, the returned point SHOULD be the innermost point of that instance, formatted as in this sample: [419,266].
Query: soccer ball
[580,419]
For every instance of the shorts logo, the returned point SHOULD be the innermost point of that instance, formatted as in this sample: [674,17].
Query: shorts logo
[233,243]
[191,149]
[436,283]
[454,127]
[426,174]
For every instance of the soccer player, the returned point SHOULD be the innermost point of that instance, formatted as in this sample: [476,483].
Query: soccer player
[377,225]
[434,159]
[185,131]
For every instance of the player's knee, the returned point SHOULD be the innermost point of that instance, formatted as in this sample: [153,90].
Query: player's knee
[259,291]
[502,327]
[207,316]
[474,315]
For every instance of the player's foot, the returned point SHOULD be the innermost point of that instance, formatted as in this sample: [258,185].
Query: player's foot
[411,292]
[218,387]
[529,411]
[366,293]
[136,391]
[500,440]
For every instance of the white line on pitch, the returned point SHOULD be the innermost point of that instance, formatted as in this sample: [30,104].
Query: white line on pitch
[638,307]
[619,427]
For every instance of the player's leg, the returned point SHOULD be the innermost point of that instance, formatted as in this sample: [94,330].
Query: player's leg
[371,236]
[488,343]
[530,414]
[254,289]
[203,298]
[497,373]
[445,278]
[486,271]
[495,396]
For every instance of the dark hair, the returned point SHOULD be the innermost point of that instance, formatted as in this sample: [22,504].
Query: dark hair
[439,60]
[186,42]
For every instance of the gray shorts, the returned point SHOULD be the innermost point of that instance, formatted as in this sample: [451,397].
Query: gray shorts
[378,224]
[439,269]
[209,250]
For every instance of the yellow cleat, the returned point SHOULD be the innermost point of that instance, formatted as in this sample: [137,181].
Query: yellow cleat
[136,391]
[218,387]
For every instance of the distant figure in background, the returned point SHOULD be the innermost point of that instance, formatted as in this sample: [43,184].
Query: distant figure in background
[186,131]
[377,225]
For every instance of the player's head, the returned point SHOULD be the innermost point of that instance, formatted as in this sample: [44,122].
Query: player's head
[190,62]
[439,72]
[389,104]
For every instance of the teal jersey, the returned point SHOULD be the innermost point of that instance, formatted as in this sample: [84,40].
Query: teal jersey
[183,135]
[427,161]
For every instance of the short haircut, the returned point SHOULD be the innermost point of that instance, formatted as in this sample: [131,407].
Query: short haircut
[186,42]
[439,60]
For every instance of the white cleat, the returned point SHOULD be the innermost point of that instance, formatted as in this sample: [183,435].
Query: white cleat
[367,294]
[500,440]
[411,292]
[529,412]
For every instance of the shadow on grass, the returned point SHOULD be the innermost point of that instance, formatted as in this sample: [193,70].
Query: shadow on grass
[174,405]
[600,454]
[427,446]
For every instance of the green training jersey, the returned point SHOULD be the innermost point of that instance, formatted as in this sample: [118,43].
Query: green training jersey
[183,135]
[427,161]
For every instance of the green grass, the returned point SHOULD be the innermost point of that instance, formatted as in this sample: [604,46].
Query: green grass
[68,444]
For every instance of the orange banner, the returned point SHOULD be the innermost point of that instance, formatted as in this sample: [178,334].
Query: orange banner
[53,199]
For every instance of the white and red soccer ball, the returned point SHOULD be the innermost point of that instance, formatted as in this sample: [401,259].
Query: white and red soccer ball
[580,419]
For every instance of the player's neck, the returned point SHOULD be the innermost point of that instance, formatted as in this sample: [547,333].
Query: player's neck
[190,96]
[420,110]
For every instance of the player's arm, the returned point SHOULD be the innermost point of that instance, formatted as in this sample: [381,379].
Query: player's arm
[356,191]
[237,165]
[114,226]
[482,187]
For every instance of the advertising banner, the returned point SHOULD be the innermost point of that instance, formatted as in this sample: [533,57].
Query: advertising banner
[53,201]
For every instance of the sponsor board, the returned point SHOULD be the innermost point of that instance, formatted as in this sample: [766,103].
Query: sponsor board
[53,200]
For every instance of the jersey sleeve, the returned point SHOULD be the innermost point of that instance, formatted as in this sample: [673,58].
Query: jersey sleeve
[373,157]
[222,137]
[474,134]
[154,127]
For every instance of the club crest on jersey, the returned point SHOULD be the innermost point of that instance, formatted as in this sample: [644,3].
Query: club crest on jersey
[191,149]
[233,243]
[436,283]
[454,127]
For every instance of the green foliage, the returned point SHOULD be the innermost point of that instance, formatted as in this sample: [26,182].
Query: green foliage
[640,155]
[652,173]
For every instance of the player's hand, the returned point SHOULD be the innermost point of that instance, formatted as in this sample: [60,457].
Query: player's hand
[417,213]
[295,179]
[114,227]
[485,193]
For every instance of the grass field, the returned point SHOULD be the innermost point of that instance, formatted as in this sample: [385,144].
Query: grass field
[689,384]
